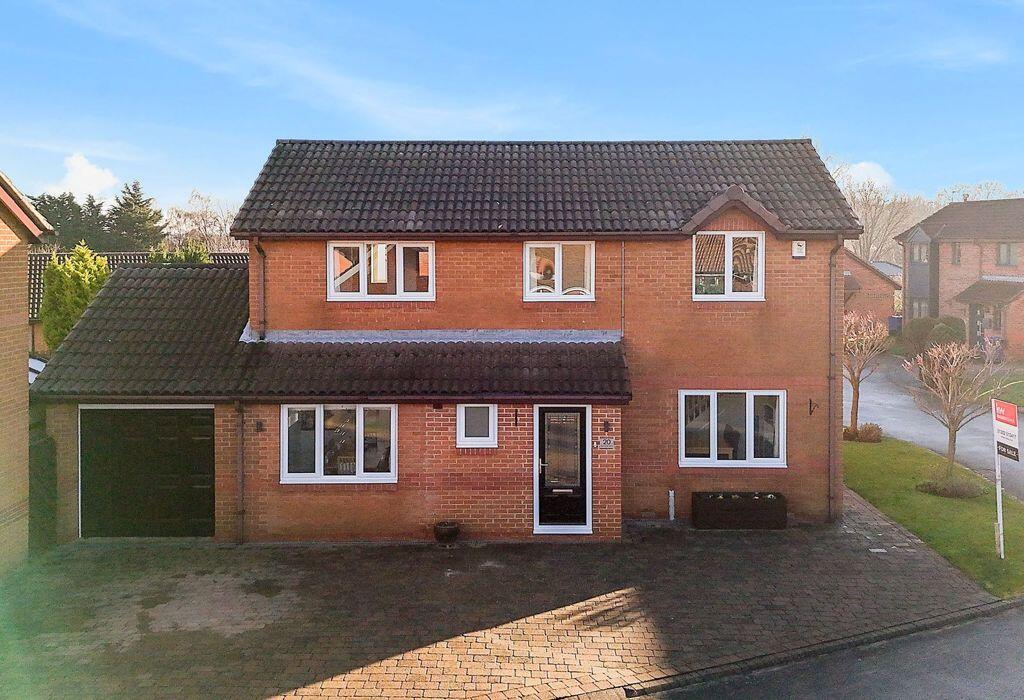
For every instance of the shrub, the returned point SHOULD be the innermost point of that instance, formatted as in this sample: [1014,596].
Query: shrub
[915,334]
[68,287]
[870,432]
[941,335]
[850,434]
[952,488]
[187,252]
[958,325]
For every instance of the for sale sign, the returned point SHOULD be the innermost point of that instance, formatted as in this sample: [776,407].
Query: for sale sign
[1004,420]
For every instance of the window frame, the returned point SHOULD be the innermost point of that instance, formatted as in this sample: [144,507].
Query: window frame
[956,258]
[318,476]
[464,441]
[919,252]
[751,461]
[364,262]
[558,294]
[729,295]
[1011,254]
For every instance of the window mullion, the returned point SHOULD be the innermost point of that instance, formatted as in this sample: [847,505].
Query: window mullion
[364,270]
[714,427]
[359,442]
[399,277]
[750,426]
[727,248]
[558,269]
[318,442]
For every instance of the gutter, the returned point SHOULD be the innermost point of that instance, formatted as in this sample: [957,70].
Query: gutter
[601,399]
[832,466]
[788,234]
[262,287]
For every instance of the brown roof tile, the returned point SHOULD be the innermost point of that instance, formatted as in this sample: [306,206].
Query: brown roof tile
[984,219]
[997,292]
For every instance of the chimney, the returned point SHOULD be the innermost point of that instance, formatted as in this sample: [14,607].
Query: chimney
[966,196]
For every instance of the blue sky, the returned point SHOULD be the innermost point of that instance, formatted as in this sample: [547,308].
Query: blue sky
[181,95]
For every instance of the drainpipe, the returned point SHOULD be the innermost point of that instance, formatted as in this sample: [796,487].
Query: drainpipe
[239,472]
[263,288]
[622,291]
[832,257]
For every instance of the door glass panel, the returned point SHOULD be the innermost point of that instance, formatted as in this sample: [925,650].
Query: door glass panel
[383,269]
[346,268]
[301,440]
[477,421]
[415,269]
[766,427]
[576,279]
[562,450]
[339,441]
[709,264]
[376,440]
[732,426]
[697,426]
[744,264]
[541,273]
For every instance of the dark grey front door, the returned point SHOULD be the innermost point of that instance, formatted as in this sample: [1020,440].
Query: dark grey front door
[975,324]
[562,451]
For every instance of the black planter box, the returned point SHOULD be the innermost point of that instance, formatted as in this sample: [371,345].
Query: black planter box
[738,510]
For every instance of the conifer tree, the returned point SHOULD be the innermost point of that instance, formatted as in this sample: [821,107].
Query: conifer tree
[133,220]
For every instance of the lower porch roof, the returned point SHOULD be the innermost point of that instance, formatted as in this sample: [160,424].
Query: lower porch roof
[177,332]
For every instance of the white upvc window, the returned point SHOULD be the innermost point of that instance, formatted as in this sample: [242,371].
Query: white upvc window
[728,266]
[339,443]
[380,270]
[558,271]
[476,425]
[732,428]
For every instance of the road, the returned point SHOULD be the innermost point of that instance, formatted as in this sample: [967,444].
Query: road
[983,658]
[883,400]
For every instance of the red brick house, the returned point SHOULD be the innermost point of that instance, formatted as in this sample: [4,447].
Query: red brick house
[866,289]
[532,339]
[965,260]
[20,225]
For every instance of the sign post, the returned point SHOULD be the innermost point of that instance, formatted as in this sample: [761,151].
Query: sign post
[1006,443]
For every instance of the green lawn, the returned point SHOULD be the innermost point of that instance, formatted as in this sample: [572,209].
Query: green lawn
[960,530]
[1014,393]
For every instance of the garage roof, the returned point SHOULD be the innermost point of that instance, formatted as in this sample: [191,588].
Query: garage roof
[174,332]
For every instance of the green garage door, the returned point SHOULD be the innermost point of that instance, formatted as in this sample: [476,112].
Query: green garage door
[147,472]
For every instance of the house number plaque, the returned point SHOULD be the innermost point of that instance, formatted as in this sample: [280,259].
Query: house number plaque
[605,443]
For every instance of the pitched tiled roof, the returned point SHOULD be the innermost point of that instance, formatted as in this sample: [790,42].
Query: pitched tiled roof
[37,263]
[996,292]
[855,261]
[172,331]
[983,219]
[510,188]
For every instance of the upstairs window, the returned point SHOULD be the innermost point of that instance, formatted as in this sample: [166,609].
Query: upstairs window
[954,248]
[732,428]
[1006,254]
[919,252]
[371,270]
[558,271]
[728,266]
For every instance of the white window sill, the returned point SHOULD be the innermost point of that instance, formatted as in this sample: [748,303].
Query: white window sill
[388,479]
[554,297]
[381,297]
[476,445]
[563,530]
[731,465]
[723,297]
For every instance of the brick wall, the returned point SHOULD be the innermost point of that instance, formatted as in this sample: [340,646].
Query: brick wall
[62,426]
[489,491]
[13,394]
[876,296]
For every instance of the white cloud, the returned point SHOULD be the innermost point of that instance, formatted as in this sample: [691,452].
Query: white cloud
[867,170]
[961,53]
[82,178]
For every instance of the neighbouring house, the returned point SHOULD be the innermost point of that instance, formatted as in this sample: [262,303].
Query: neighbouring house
[20,226]
[37,264]
[890,270]
[868,290]
[965,260]
[529,338]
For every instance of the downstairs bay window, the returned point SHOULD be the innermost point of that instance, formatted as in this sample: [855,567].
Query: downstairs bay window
[732,428]
[344,443]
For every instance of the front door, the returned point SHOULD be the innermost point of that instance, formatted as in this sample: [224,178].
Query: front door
[562,482]
[975,325]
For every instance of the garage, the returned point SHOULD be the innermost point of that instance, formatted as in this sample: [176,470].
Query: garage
[147,471]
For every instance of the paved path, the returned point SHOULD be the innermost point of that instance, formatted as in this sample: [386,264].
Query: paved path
[145,618]
[979,659]
[883,400]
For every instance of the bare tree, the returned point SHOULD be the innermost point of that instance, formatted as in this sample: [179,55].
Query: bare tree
[864,341]
[205,221]
[982,190]
[955,388]
[884,213]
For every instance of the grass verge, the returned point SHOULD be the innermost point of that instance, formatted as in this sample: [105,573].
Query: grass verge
[962,531]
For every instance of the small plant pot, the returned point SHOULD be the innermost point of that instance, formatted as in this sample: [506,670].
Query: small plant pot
[446,531]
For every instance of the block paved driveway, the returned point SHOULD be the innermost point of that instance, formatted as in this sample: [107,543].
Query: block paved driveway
[145,618]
